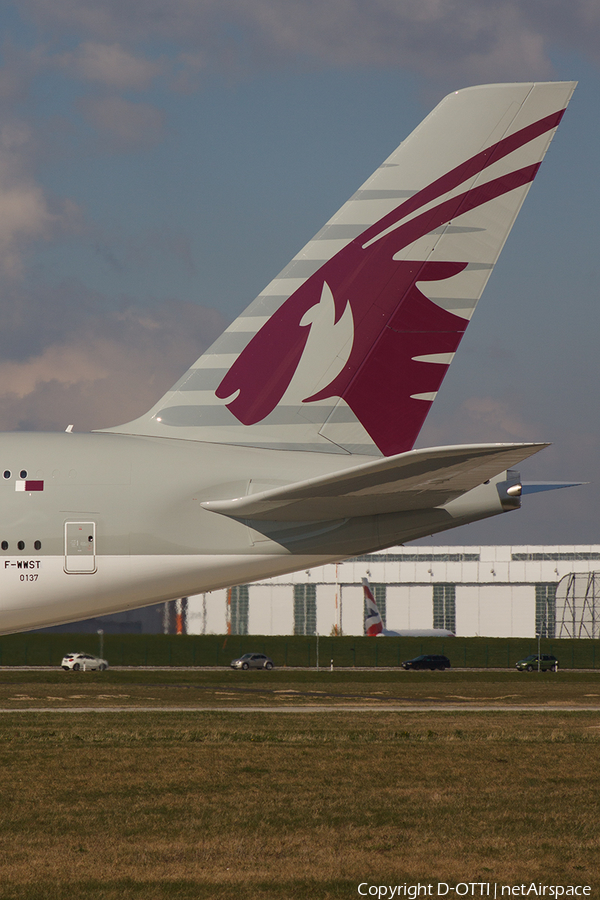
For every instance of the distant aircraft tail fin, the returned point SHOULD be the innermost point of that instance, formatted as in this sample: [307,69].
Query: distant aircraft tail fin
[345,350]
[373,620]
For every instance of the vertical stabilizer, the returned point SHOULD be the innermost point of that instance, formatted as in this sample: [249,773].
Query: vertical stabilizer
[373,620]
[345,350]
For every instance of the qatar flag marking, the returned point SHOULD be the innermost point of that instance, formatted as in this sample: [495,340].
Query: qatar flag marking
[29,485]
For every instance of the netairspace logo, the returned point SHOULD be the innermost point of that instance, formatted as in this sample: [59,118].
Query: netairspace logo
[471,889]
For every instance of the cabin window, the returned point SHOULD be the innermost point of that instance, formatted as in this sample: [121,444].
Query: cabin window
[23,473]
[37,545]
[7,473]
[21,545]
[5,545]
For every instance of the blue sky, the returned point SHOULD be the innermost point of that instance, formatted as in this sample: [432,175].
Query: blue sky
[159,164]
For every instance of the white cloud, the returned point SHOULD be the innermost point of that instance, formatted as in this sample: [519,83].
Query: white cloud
[126,125]
[107,370]
[110,65]
[25,211]
[67,365]
[464,40]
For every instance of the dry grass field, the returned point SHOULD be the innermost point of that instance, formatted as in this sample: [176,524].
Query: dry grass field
[21,689]
[107,806]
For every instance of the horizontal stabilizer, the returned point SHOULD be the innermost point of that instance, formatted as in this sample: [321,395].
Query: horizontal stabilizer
[418,479]
[536,487]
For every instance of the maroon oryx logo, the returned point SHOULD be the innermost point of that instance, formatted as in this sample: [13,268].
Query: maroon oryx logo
[383,380]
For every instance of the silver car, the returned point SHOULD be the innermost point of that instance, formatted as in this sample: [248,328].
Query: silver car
[252,661]
[83,662]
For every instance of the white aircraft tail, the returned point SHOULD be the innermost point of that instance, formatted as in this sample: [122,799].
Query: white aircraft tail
[345,350]
[374,626]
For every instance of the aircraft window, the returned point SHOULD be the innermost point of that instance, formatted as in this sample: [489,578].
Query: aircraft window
[21,545]
[37,545]
[7,473]
[23,473]
[5,545]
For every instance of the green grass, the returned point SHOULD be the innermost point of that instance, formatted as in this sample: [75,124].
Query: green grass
[229,805]
[288,650]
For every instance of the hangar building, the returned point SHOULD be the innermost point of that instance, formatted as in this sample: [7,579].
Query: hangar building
[492,591]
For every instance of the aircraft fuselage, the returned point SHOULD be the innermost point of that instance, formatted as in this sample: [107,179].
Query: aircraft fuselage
[95,523]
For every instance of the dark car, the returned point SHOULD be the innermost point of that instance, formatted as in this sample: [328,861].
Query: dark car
[428,661]
[548,663]
[252,661]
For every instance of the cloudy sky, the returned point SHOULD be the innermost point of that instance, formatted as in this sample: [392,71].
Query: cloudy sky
[161,162]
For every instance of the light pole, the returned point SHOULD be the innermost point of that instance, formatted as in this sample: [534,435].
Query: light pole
[539,637]
[101,636]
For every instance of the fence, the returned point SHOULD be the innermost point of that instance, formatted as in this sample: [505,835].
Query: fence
[299,650]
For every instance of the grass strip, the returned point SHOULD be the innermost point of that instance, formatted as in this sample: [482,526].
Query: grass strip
[259,805]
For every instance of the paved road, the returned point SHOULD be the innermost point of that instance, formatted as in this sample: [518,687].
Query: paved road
[325,708]
[398,669]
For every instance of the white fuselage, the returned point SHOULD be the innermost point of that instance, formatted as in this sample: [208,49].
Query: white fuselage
[114,522]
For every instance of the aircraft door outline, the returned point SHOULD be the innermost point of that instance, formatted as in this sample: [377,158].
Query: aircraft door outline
[80,548]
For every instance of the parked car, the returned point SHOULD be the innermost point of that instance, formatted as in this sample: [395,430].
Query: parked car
[427,661]
[83,662]
[530,663]
[252,661]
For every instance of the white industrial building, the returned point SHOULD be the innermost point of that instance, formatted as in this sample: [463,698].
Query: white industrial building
[508,591]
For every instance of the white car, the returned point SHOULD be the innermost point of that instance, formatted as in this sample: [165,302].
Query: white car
[83,662]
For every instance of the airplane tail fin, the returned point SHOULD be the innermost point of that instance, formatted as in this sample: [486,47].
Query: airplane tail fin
[373,620]
[345,350]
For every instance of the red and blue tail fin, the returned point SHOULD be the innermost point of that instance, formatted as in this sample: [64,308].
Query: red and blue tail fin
[373,620]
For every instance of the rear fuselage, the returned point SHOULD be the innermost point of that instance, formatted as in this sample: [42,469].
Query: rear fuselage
[115,522]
